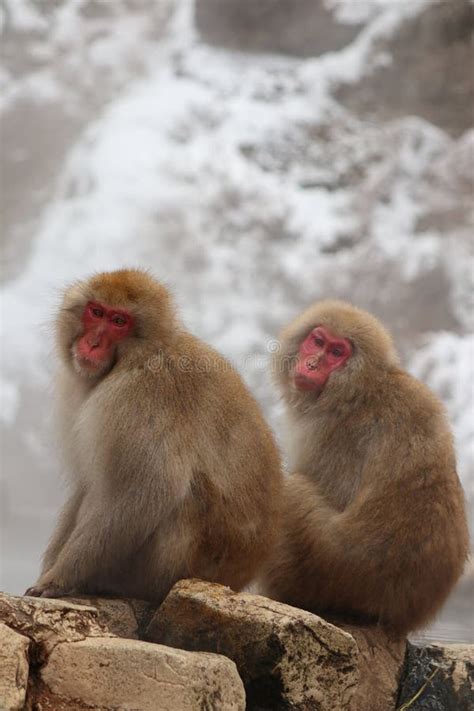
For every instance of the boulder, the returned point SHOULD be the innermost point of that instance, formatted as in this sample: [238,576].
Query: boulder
[429,73]
[438,678]
[287,658]
[124,618]
[111,673]
[381,661]
[78,663]
[48,622]
[301,27]
[14,666]
[57,655]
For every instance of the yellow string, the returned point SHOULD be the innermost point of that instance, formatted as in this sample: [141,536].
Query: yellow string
[407,704]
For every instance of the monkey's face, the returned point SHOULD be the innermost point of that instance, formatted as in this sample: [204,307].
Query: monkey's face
[319,355]
[103,328]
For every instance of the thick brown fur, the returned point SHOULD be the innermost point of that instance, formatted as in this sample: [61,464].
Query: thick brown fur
[374,521]
[174,471]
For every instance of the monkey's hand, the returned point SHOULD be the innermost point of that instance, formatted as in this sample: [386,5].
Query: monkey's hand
[46,590]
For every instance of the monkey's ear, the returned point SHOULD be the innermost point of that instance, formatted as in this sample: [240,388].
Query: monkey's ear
[76,296]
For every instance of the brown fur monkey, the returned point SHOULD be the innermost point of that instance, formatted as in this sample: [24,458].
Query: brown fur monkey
[374,522]
[174,471]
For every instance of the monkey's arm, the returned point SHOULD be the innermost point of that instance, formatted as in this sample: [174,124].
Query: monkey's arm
[394,553]
[64,528]
[62,532]
[137,475]
[105,535]
[305,538]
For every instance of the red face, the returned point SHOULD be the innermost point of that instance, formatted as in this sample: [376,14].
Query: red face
[104,328]
[319,355]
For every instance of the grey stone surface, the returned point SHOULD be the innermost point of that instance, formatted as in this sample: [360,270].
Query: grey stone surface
[438,678]
[300,27]
[430,72]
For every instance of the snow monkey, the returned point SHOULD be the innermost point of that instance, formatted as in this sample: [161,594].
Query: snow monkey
[174,471]
[374,522]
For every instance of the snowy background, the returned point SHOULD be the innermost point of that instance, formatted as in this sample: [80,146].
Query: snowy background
[257,156]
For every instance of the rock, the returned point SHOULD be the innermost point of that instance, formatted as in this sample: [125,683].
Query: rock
[112,673]
[381,661]
[124,618]
[438,678]
[14,667]
[287,658]
[78,663]
[49,622]
[300,27]
[57,655]
[433,53]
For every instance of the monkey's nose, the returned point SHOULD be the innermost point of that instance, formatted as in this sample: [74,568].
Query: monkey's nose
[312,363]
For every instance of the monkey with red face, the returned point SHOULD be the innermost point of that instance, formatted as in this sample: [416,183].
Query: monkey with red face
[374,523]
[174,472]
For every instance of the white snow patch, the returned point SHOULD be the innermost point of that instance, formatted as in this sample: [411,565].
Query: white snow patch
[361,11]
[446,364]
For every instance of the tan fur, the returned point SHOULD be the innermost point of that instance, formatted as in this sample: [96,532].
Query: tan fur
[374,522]
[174,471]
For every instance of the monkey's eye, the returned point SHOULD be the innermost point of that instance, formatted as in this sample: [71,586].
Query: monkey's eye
[119,320]
[319,341]
[98,313]
[337,351]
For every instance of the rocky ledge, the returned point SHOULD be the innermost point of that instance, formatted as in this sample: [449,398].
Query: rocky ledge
[209,648]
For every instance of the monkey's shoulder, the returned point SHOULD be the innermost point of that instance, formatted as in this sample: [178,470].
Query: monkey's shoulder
[205,365]
[409,397]
[189,378]
[409,420]
[396,411]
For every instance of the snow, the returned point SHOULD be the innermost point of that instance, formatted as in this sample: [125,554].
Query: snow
[435,362]
[361,11]
[162,178]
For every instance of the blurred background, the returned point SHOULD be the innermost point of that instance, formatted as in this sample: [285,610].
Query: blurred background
[256,155]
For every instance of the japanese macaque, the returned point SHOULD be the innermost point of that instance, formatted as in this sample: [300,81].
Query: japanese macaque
[374,524]
[174,470]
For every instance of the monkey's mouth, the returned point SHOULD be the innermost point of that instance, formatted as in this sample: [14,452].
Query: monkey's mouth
[88,365]
[85,360]
[301,382]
